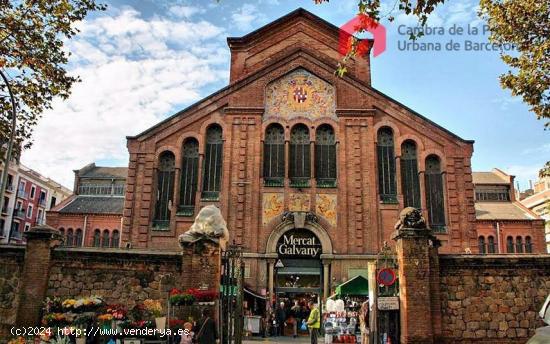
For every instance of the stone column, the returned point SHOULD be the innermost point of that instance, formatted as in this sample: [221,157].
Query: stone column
[270,273]
[415,285]
[326,273]
[35,275]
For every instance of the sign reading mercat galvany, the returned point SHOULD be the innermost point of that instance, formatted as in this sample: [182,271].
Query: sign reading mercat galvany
[299,244]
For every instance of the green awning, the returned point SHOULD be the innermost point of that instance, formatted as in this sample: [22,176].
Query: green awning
[357,286]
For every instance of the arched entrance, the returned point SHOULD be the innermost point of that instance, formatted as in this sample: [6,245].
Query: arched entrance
[297,250]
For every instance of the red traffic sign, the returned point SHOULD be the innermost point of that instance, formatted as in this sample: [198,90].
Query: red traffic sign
[386,277]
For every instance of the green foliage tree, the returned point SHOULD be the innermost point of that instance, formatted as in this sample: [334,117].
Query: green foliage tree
[32,55]
[522,23]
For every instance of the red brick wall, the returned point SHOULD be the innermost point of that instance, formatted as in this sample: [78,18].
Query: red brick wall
[88,223]
[363,223]
[527,228]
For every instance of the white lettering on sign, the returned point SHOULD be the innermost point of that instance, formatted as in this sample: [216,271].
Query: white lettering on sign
[293,246]
[388,303]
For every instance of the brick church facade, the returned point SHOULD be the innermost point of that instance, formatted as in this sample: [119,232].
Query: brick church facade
[289,150]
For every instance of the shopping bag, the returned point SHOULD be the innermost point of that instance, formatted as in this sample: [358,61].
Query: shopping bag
[304,326]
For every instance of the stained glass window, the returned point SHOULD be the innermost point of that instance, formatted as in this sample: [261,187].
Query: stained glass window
[325,156]
[386,166]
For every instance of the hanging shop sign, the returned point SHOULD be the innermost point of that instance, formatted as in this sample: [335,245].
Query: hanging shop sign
[388,303]
[299,243]
[386,277]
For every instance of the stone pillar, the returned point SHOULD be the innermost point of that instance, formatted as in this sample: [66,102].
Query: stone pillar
[270,272]
[326,273]
[35,275]
[414,248]
[201,267]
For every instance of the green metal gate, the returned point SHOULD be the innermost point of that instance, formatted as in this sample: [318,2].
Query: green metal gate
[231,296]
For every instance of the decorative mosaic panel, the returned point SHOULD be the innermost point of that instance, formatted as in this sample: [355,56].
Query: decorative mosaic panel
[299,202]
[300,94]
[325,206]
[272,205]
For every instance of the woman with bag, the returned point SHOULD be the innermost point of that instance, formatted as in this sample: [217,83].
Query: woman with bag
[206,331]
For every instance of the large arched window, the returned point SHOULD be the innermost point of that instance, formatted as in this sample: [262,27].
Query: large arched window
[70,238]
[97,238]
[409,175]
[105,242]
[519,245]
[274,155]
[62,233]
[528,245]
[300,160]
[325,156]
[386,166]
[213,159]
[491,244]
[115,238]
[434,194]
[510,244]
[481,245]
[189,177]
[165,190]
[78,237]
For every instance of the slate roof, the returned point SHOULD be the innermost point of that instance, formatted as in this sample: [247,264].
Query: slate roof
[502,211]
[488,178]
[94,205]
[105,172]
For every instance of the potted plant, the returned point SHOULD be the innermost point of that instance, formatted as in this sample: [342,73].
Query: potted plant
[154,307]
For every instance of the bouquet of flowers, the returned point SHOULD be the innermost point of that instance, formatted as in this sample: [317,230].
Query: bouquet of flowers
[52,305]
[137,324]
[153,306]
[178,298]
[18,340]
[176,324]
[118,311]
[104,318]
[54,320]
[203,295]
[83,304]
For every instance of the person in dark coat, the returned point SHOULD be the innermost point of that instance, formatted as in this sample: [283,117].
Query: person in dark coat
[206,331]
[280,316]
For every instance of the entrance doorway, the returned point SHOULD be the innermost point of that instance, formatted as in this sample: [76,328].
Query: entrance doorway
[298,275]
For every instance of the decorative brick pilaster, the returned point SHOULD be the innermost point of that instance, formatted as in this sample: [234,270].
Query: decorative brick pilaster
[36,269]
[418,276]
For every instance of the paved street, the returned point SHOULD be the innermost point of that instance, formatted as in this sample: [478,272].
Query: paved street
[273,340]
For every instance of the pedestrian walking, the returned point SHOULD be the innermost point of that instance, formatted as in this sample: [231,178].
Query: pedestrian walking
[206,329]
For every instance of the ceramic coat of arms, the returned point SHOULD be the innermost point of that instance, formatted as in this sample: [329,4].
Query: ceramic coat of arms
[300,94]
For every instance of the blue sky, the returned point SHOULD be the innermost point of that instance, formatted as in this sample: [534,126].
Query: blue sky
[141,61]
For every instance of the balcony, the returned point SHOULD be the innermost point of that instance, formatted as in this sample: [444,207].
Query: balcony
[6,210]
[42,203]
[22,194]
[19,213]
[9,187]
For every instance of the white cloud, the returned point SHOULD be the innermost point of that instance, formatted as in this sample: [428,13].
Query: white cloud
[134,73]
[182,11]
[246,16]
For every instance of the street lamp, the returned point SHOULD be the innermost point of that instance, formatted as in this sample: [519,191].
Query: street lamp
[10,148]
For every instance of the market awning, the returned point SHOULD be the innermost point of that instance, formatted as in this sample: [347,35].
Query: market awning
[357,286]
[298,271]
[248,291]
